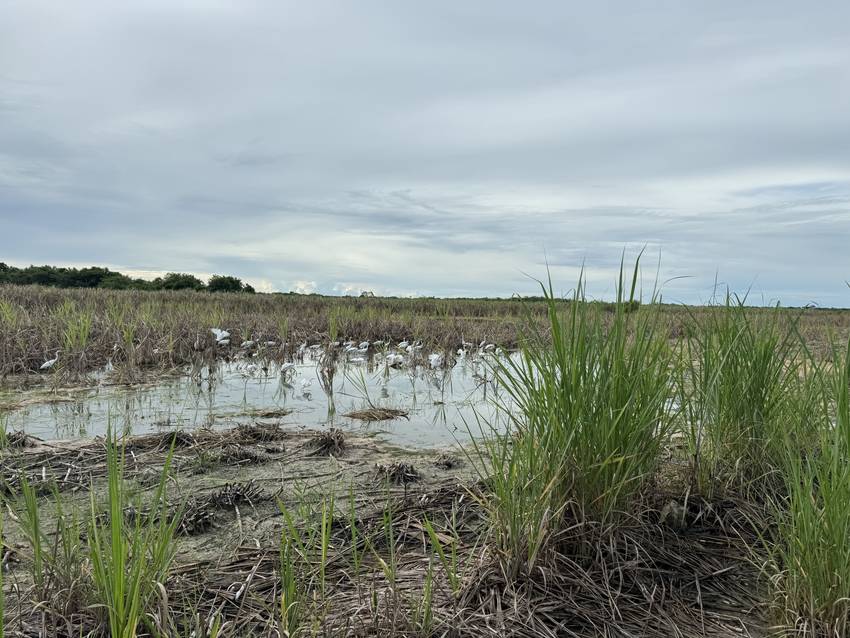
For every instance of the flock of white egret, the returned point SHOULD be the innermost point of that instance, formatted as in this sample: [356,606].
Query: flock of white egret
[393,357]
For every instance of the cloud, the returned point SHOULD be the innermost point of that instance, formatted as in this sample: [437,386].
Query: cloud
[450,149]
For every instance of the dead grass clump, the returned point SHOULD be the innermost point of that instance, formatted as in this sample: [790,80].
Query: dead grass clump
[197,517]
[397,473]
[236,493]
[657,581]
[330,443]
[42,482]
[236,454]
[259,433]
[161,441]
[20,439]
[377,414]
[447,462]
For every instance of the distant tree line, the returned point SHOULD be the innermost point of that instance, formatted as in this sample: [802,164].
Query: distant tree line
[96,277]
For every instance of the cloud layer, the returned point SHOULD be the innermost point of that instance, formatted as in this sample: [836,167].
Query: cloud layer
[432,148]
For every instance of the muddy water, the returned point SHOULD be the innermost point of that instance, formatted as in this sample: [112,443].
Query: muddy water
[443,405]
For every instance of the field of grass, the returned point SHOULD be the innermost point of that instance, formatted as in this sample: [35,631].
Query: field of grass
[666,471]
[162,330]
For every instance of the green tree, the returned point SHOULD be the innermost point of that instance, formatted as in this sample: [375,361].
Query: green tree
[116,281]
[224,283]
[181,281]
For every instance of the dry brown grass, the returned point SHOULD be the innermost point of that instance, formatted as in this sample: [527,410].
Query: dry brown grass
[377,414]
[328,443]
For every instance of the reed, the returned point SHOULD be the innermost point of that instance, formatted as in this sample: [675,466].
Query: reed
[809,567]
[2,583]
[589,412]
[130,560]
[740,378]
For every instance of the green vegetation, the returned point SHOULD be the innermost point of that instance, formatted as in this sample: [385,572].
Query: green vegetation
[663,471]
[97,277]
[129,561]
[745,394]
[809,567]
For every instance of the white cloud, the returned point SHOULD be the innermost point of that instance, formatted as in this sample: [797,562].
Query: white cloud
[303,287]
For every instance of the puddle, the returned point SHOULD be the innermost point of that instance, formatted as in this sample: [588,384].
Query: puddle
[442,405]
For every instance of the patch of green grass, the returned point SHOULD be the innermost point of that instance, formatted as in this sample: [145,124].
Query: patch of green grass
[590,412]
[809,568]
[2,583]
[130,560]
[740,379]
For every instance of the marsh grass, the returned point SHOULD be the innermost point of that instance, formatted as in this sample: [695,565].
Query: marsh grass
[589,415]
[809,567]
[2,582]
[35,536]
[741,379]
[305,551]
[159,330]
[130,560]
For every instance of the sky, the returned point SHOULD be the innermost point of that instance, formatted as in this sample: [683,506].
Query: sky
[433,148]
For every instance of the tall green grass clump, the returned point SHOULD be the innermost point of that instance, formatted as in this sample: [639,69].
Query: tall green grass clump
[2,583]
[130,559]
[810,566]
[743,388]
[591,413]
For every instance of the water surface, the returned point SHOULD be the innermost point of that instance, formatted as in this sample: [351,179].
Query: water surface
[443,404]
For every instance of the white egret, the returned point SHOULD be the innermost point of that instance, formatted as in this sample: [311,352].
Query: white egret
[403,345]
[50,362]
[364,345]
[435,359]
[247,344]
[220,335]
[394,359]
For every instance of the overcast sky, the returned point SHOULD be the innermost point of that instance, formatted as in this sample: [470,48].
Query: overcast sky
[444,148]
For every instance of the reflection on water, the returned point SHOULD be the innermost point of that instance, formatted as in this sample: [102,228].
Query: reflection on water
[444,404]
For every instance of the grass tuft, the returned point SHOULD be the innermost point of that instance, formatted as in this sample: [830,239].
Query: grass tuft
[130,560]
[589,414]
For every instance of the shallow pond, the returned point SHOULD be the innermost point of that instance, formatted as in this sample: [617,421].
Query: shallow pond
[444,405]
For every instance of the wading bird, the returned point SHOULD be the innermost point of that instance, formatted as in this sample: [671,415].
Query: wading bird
[50,362]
